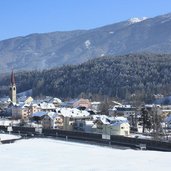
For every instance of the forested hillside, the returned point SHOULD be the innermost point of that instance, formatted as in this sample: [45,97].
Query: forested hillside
[134,76]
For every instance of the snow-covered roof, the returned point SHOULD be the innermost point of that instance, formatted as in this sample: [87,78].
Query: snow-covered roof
[72,112]
[39,114]
[103,118]
[5,99]
[89,122]
[116,102]
[56,100]
[69,103]
[119,122]
[34,104]
[121,118]
[152,105]
[45,105]
[95,103]
[52,115]
[122,107]
[21,105]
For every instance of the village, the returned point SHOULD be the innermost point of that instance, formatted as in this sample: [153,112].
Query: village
[84,115]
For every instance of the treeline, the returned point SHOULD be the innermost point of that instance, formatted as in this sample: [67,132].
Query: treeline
[135,77]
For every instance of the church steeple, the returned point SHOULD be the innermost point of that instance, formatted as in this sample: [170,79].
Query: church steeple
[12,92]
[12,78]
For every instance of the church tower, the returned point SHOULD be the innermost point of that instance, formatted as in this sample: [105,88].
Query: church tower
[12,91]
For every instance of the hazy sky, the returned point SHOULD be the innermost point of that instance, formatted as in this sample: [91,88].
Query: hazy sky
[23,17]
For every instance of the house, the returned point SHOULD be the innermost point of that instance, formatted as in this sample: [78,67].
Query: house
[37,116]
[49,120]
[83,124]
[47,107]
[99,121]
[69,117]
[56,101]
[25,99]
[95,106]
[21,111]
[82,103]
[34,108]
[117,127]
[24,110]
[68,104]
[112,126]
[125,110]
[62,118]
[122,110]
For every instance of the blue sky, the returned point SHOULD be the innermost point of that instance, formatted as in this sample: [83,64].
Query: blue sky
[23,17]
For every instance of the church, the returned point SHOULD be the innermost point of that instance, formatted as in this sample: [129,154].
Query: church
[12,89]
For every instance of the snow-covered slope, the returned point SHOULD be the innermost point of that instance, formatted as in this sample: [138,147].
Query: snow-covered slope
[54,155]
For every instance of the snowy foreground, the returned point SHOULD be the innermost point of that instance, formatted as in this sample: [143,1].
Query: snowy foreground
[57,155]
[8,137]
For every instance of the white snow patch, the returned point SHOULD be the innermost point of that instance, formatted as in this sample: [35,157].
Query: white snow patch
[53,155]
[111,32]
[8,137]
[102,54]
[87,43]
[166,20]
[137,20]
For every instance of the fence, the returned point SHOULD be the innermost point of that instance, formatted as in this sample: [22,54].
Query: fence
[93,137]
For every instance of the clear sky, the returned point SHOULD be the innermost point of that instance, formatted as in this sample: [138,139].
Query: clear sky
[23,17]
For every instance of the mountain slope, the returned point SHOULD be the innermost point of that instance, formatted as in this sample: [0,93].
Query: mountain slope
[40,51]
[137,75]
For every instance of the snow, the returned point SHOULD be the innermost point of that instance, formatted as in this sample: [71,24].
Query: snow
[7,122]
[95,103]
[136,20]
[73,112]
[141,136]
[87,43]
[53,155]
[103,118]
[8,137]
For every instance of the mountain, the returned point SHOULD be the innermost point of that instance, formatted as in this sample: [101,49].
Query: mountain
[42,51]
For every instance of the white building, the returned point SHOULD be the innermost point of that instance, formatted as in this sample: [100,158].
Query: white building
[117,128]
[122,110]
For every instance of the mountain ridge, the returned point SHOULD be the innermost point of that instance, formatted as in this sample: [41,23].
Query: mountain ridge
[48,50]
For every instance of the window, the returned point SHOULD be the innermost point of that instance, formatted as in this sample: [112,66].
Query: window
[81,125]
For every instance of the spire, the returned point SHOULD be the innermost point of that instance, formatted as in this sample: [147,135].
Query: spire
[12,78]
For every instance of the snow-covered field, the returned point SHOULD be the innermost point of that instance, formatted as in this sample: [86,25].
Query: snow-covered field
[57,155]
[8,137]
